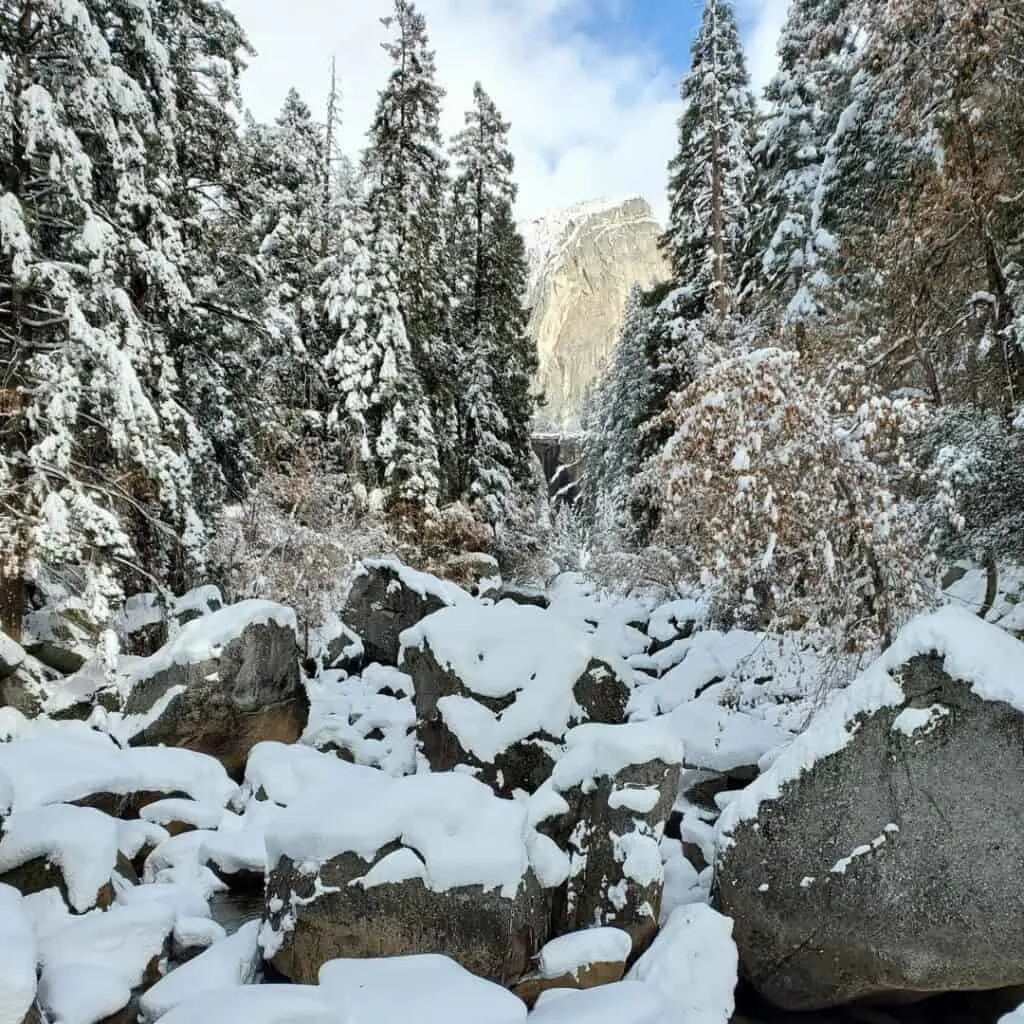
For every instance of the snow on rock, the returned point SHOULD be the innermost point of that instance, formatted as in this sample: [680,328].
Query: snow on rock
[429,988]
[989,660]
[666,620]
[258,1004]
[624,1002]
[17,958]
[463,834]
[285,772]
[387,597]
[693,963]
[488,699]
[81,841]
[595,750]
[204,638]
[11,655]
[567,954]
[720,739]
[232,961]
[71,762]
[1015,1017]
[135,835]
[370,716]
[91,963]
[173,810]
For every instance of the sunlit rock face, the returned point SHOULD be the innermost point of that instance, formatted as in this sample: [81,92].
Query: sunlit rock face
[583,262]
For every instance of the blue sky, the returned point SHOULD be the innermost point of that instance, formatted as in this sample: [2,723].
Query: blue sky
[590,86]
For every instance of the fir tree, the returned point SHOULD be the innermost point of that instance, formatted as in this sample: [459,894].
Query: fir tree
[494,358]
[98,456]
[405,170]
[710,175]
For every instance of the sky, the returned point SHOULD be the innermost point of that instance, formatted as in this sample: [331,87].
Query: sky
[590,86]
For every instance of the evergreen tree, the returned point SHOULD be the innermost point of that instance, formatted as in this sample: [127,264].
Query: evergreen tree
[378,418]
[98,455]
[494,358]
[710,176]
[288,224]
[405,169]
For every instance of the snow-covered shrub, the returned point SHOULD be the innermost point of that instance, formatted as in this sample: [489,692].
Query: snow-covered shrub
[785,507]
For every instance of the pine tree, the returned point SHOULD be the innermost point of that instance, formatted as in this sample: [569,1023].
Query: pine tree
[378,419]
[405,170]
[710,176]
[495,359]
[98,456]
[288,224]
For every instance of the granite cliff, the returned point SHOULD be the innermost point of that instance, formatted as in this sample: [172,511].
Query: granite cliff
[583,262]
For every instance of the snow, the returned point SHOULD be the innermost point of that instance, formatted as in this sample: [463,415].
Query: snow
[203,639]
[840,867]
[11,654]
[92,962]
[666,619]
[624,1002]
[596,750]
[285,772]
[693,962]
[420,583]
[185,812]
[135,835]
[720,739]
[1016,1017]
[568,954]
[81,841]
[17,958]
[482,645]
[232,961]
[69,761]
[430,988]
[640,799]
[463,834]
[983,656]
[911,721]
[259,1004]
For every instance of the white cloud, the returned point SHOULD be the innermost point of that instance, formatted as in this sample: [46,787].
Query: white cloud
[587,120]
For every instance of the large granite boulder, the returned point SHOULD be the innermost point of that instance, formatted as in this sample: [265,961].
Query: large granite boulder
[63,636]
[618,783]
[881,854]
[226,682]
[498,686]
[388,597]
[421,864]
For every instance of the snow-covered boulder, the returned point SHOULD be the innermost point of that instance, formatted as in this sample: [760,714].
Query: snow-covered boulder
[583,959]
[880,854]
[693,962]
[29,685]
[11,655]
[369,866]
[146,621]
[73,848]
[388,597]
[498,686]
[618,783]
[63,637]
[17,958]
[427,988]
[227,681]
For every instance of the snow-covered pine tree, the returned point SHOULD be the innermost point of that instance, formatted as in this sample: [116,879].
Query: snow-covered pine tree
[711,173]
[709,232]
[378,422]
[814,108]
[288,222]
[96,464]
[406,176]
[494,357]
